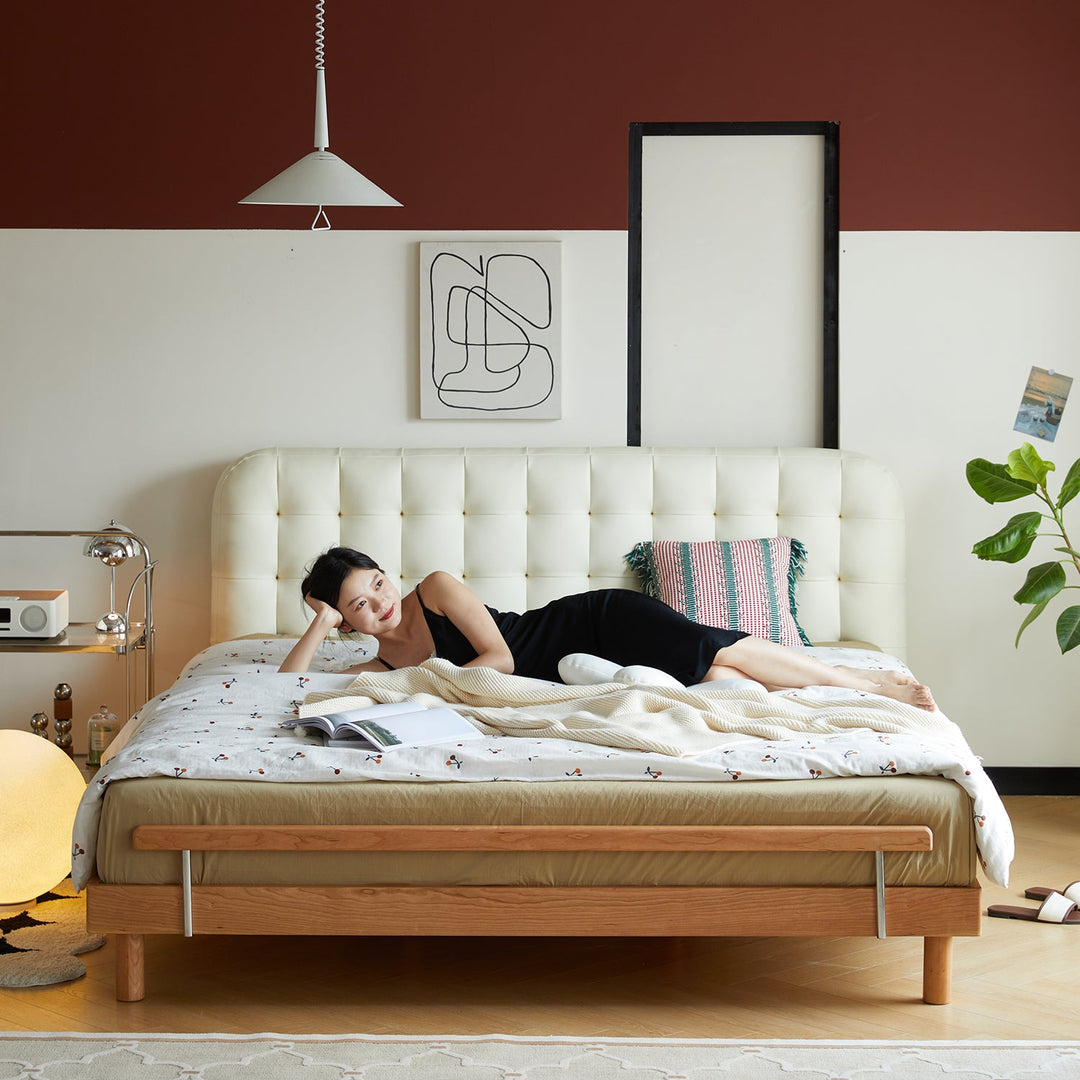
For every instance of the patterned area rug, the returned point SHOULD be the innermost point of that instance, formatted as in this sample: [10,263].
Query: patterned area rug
[46,1056]
[39,946]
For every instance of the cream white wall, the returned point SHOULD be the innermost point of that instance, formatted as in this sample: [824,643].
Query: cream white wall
[938,332]
[136,365]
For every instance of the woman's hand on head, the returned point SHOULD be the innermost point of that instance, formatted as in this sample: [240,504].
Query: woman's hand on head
[327,616]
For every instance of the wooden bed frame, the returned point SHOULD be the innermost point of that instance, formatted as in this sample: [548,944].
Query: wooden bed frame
[274,509]
[935,914]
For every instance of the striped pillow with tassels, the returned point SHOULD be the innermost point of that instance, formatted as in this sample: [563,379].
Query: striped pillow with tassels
[744,585]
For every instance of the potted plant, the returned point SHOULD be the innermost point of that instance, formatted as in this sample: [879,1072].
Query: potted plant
[1024,476]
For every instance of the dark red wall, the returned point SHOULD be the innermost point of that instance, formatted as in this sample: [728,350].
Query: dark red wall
[508,114]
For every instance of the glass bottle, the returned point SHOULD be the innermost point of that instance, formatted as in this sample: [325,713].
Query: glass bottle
[101,729]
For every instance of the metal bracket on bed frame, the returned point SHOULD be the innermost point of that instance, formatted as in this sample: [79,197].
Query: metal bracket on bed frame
[185,878]
[879,891]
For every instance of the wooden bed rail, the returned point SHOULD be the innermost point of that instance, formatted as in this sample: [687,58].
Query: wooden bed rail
[473,838]
[533,838]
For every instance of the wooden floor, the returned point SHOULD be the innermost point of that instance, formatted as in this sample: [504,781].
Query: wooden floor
[1018,981]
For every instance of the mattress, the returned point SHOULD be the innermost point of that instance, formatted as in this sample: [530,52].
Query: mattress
[938,803]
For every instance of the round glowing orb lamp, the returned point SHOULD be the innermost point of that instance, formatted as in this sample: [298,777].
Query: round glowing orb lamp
[40,789]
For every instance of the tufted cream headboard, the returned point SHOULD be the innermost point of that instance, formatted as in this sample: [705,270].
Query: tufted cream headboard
[521,527]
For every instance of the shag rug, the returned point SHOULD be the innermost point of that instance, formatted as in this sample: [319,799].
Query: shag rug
[40,945]
[46,1056]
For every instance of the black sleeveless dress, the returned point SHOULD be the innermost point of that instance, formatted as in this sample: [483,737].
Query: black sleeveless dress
[619,625]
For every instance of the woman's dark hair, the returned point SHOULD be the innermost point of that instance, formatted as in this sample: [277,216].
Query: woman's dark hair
[329,571]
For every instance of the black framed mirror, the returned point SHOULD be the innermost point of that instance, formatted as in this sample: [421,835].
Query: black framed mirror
[733,292]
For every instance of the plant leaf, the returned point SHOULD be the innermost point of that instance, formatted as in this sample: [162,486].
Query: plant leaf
[1026,464]
[1011,543]
[1069,551]
[993,483]
[1070,487]
[1031,616]
[1068,629]
[1043,582]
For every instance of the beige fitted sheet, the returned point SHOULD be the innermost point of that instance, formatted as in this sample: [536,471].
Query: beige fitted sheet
[933,801]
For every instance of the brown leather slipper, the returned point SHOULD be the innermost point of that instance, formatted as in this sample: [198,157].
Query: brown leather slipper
[1056,908]
[1072,891]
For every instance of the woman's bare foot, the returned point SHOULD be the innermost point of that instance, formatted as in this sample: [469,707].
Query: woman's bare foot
[911,694]
[881,678]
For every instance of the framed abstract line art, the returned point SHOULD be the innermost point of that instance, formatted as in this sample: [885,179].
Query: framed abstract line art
[733,249]
[490,330]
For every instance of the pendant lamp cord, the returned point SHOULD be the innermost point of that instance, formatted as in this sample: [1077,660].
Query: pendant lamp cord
[320,34]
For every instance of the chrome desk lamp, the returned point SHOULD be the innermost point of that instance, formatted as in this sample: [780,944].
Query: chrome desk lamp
[113,547]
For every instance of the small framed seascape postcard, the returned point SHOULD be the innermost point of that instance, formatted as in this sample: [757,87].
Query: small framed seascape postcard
[1043,403]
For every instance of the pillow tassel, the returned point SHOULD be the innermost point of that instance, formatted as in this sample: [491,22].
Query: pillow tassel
[796,569]
[640,560]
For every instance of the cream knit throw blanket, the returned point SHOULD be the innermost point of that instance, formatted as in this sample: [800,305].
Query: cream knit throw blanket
[676,722]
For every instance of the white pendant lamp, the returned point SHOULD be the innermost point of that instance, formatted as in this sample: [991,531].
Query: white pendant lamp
[321,178]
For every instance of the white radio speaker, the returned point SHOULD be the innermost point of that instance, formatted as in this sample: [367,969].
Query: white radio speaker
[33,613]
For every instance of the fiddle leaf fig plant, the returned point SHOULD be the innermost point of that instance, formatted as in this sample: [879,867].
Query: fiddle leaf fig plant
[1024,476]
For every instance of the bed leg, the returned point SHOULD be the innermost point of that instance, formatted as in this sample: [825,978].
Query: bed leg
[130,967]
[937,970]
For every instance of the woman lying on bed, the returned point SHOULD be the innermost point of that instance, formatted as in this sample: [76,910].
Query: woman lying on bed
[442,617]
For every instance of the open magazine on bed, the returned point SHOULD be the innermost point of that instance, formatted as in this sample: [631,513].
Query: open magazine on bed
[383,727]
